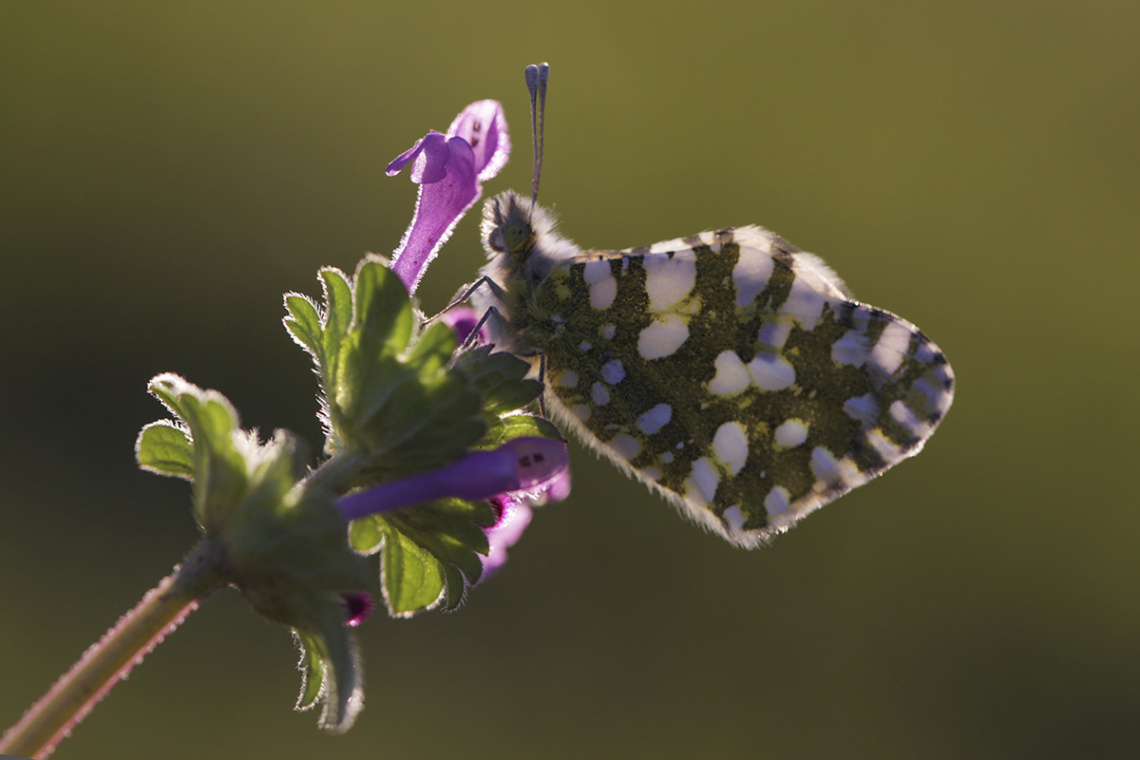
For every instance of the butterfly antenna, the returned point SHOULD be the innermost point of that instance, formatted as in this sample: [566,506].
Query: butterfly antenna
[536,77]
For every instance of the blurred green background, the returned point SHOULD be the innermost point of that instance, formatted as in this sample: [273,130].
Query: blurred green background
[168,170]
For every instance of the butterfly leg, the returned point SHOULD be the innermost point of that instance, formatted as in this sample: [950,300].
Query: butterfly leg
[463,294]
[542,379]
[487,316]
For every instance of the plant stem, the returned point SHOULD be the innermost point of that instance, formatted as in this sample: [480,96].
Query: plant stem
[109,660]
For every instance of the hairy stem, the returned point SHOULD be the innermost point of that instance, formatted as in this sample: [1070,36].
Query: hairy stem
[110,659]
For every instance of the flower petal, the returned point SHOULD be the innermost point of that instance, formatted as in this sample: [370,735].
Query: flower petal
[462,320]
[484,127]
[538,461]
[558,487]
[449,169]
[520,465]
[439,206]
[514,516]
[358,605]
[431,163]
[399,162]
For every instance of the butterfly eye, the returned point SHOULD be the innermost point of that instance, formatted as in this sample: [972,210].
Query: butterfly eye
[518,236]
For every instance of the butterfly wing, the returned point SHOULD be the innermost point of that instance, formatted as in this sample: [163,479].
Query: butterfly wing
[735,375]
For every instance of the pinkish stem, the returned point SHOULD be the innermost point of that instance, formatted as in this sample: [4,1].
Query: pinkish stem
[109,660]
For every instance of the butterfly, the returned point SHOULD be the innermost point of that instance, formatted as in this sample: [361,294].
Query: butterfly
[729,371]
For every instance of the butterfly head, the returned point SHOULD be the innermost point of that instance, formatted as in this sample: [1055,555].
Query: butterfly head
[521,241]
[507,226]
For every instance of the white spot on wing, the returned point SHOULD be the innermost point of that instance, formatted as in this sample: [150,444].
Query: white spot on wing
[775,334]
[603,286]
[731,446]
[906,417]
[823,464]
[669,279]
[829,470]
[771,372]
[932,394]
[792,433]
[850,349]
[731,375]
[655,419]
[596,270]
[567,378]
[600,395]
[612,372]
[693,493]
[888,353]
[751,274]
[886,448]
[804,301]
[706,477]
[776,502]
[863,408]
[602,293]
[733,517]
[626,446]
[663,337]
[608,331]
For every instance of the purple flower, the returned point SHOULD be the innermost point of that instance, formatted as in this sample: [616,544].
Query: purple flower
[512,476]
[515,512]
[462,321]
[514,516]
[358,605]
[449,170]
[532,467]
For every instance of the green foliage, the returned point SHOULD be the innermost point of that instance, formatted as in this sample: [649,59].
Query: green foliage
[389,393]
[398,400]
[283,541]
[208,449]
[499,379]
[428,552]
[165,449]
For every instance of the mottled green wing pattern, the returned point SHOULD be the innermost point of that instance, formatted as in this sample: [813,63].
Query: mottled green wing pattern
[734,374]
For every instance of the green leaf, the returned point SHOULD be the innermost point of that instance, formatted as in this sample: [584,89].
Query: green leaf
[427,550]
[367,535]
[391,396]
[383,311]
[312,669]
[291,561]
[454,590]
[413,579]
[518,426]
[166,450]
[344,694]
[431,353]
[304,324]
[338,321]
[331,669]
[219,470]
[451,529]
[500,379]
